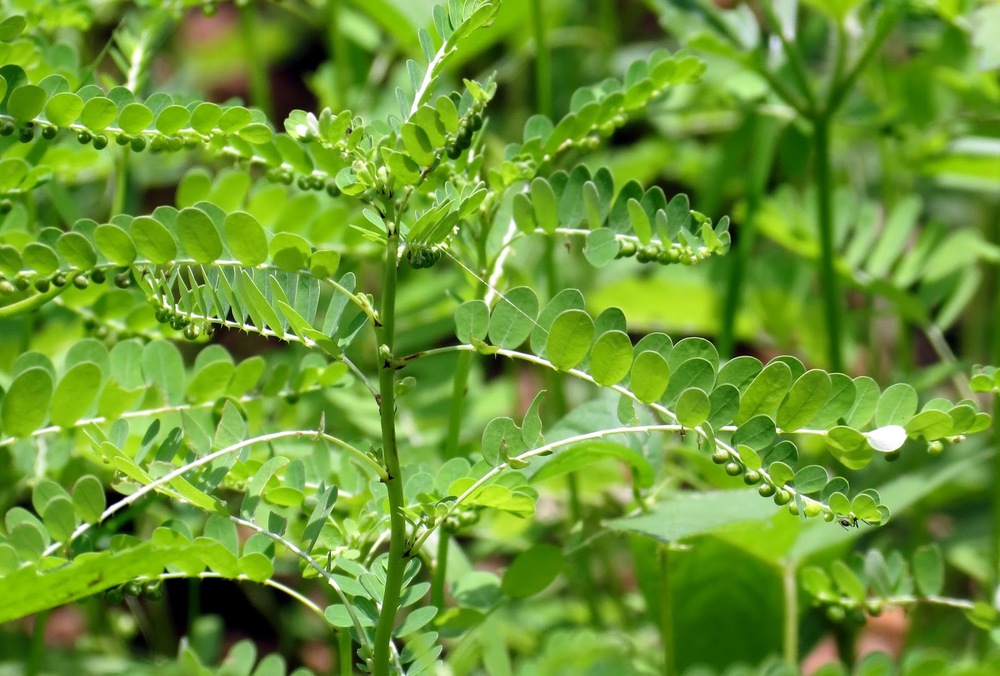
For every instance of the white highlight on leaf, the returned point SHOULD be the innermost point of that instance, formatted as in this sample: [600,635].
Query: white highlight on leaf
[886,439]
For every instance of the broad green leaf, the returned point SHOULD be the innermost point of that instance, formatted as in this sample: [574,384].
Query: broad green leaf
[765,393]
[246,238]
[134,118]
[210,382]
[806,398]
[75,393]
[289,252]
[502,440]
[415,621]
[256,133]
[896,405]
[567,299]
[98,113]
[842,391]
[531,425]
[601,247]
[850,447]
[41,258]
[115,244]
[513,318]
[847,581]
[198,235]
[740,372]
[928,570]
[59,518]
[929,425]
[323,264]
[11,27]
[611,358]
[695,372]
[570,337]
[256,566]
[583,455]
[758,433]
[163,366]
[25,406]
[88,498]
[153,240]
[650,376]
[205,117]
[24,103]
[725,402]
[810,479]
[640,221]
[63,109]
[693,348]
[532,571]
[234,118]
[472,321]
[76,250]
[688,514]
[172,119]
[866,395]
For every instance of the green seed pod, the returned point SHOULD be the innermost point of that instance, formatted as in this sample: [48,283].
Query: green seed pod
[836,613]
[475,122]
[176,322]
[793,508]
[6,288]
[84,137]
[123,280]
[191,332]
[782,497]
[720,457]
[828,516]
[81,282]
[49,132]
[138,144]
[303,183]
[174,144]
[100,141]
[97,276]
[751,478]
[813,509]
[114,595]
[892,456]
[59,279]
[874,607]
[765,490]
[6,128]
[42,284]
[734,469]
[22,283]
[27,134]
[153,590]
[454,152]
[332,190]
[133,588]
[123,139]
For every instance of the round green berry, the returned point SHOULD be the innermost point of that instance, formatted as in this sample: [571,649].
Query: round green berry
[7,128]
[751,478]
[765,490]
[84,137]
[100,142]
[49,132]
[138,144]
[81,282]
[734,469]
[782,497]
[720,457]
[27,134]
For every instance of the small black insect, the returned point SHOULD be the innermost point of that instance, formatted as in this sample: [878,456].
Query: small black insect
[850,520]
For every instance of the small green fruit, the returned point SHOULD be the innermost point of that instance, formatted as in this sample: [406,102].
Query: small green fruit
[138,144]
[734,469]
[782,497]
[84,137]
[100,141]
[751,478]
[27,134]
[765,490]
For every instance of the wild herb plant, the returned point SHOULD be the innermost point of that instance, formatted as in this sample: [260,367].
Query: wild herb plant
[356,459]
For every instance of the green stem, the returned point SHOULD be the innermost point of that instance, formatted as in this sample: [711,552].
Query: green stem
[795,59]
[886,22]
[390,454]
[260,89]
[459,387]
[790,639]
[120,195]
[827,274]
[543,64]
[345,652]
[439,581]
[36,648]
[666,612]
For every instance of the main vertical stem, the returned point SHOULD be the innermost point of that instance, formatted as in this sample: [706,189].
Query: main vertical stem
[390,455]
[666,612]
[790,640]
[827,273]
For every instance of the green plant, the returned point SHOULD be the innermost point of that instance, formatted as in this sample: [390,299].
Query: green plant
[381,251]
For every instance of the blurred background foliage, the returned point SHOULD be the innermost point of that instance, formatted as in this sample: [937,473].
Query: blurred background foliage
[915,172]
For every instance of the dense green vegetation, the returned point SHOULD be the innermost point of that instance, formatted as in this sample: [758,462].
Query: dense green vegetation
[534,337]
